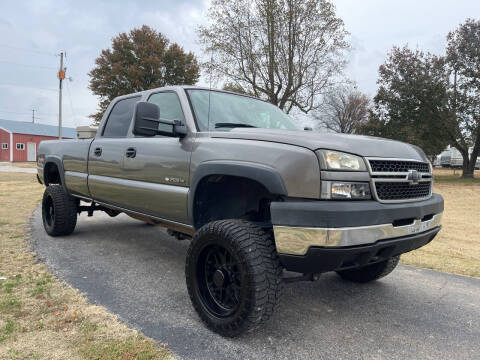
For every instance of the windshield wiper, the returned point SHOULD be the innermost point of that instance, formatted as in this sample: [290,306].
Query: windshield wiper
[233,125]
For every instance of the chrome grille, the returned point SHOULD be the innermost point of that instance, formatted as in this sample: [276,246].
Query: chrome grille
[399,180]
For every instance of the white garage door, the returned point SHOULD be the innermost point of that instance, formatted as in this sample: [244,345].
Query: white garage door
[31,152]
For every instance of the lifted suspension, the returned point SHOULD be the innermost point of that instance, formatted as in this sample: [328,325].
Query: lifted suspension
[89,209]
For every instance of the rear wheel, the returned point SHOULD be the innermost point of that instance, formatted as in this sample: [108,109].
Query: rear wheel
[370,272]
[233,276]
[59,211]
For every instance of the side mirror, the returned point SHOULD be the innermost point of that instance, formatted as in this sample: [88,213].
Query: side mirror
[147,122]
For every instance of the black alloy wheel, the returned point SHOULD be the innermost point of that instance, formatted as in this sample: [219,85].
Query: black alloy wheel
[220,279]
[233,275]
[59,211]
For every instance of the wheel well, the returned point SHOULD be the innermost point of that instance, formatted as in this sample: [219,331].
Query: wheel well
[51,174]
[220,197]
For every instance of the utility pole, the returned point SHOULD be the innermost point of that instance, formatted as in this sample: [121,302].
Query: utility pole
[33,116]
[61,77]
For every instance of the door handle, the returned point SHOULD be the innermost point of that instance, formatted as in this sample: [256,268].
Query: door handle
[97,151]
[131,153]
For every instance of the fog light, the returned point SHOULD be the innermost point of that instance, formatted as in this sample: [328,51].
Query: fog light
[347,190]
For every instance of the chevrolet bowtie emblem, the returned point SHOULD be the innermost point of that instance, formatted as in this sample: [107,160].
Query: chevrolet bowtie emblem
[413,177]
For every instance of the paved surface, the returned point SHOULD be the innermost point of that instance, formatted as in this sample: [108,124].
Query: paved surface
[7,167]
[137,272]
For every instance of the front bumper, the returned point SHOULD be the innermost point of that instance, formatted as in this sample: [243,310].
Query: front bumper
[332,235]
[322,259]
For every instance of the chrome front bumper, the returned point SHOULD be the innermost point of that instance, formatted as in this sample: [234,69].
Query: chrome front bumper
[297,240]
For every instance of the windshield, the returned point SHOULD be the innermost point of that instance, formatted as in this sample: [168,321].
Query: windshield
[215,110]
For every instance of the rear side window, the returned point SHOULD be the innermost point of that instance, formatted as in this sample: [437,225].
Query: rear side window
[120,118]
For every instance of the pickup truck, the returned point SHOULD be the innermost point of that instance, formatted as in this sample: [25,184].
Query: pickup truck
[255,194]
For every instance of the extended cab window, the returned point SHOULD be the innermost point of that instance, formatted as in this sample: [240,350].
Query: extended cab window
[170,107]
[120,118]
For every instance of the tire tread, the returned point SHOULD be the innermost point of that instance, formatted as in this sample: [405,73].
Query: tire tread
[258,248]
[65,211]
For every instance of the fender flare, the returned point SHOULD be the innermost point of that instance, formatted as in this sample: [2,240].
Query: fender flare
[58,162]
[263,174]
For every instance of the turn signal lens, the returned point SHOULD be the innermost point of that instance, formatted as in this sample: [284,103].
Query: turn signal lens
[347,190]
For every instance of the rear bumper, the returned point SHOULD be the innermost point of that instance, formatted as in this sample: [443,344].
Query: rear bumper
[318,236]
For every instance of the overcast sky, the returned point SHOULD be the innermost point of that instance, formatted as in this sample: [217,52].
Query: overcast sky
[34,31]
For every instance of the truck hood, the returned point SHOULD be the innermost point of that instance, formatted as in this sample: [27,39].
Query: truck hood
[354,144]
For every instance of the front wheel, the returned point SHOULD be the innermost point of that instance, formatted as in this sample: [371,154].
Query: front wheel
[370,272]
[233,276]
[59,211]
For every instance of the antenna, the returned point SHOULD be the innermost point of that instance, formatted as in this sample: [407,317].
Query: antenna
[211,71]
[210,90]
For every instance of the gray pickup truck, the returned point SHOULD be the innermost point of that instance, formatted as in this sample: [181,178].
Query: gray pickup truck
[255,194]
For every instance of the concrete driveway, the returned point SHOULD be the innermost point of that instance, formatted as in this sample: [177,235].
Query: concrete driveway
[137,272]
[8,167]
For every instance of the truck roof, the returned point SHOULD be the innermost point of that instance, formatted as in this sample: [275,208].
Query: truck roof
[177,87]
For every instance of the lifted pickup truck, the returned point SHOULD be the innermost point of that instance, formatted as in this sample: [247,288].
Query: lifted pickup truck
[254,193]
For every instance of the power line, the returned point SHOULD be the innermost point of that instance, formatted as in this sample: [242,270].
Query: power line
[28,50]
[27,87]
[26,65]
[25,113]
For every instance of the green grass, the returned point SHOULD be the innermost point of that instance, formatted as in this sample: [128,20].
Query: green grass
[456,179]
[7,330]
[9,287]
[9,305]
[454,176]
[41,317]
[131,348]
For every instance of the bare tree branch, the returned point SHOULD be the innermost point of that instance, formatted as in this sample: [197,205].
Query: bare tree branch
[288,52]
[344,110]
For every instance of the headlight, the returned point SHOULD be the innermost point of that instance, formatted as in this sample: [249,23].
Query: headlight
[335,160]
[345,190]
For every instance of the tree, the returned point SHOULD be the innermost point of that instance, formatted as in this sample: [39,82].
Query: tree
[411,104]
[287,52]
[229,86]
[345,110]
[137,61]
[463,61]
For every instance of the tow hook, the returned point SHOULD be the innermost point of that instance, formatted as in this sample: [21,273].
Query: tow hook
[304,277]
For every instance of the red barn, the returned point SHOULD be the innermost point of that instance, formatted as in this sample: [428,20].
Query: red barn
[19,140]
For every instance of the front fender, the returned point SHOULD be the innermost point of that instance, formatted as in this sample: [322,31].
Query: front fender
[263,174]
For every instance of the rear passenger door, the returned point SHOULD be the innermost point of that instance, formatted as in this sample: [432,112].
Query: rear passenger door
[105,180]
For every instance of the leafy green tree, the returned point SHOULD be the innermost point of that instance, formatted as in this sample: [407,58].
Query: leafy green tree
[412,102]
[140,60]
[463,61]
[288,52]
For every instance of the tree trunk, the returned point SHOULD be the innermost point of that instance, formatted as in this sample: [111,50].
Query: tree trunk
[468,168]
[469,162]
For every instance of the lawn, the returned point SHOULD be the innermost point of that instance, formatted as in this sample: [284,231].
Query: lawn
[42,317]
[453,176]
[456,249]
